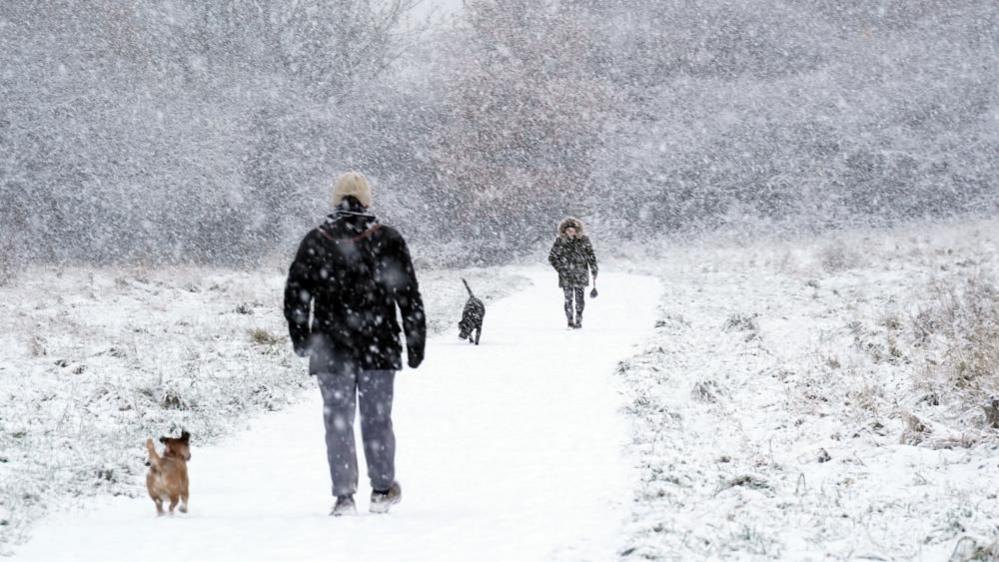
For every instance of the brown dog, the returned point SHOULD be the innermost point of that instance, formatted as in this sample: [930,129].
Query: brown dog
[167,478]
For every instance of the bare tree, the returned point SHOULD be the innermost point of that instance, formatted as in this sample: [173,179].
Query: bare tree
[523,115]
[142,128]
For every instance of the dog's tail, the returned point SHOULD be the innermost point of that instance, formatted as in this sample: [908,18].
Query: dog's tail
[154,457]
[469,289]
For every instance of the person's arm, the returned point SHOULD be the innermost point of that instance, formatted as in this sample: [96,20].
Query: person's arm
[591,257]
[555,255]
[406,291]
[298,295]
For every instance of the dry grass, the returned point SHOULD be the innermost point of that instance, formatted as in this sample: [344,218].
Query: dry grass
[9,265]
[739,322]
[837,257]
[259,336]
[955,335]
[969,550]
[963,321]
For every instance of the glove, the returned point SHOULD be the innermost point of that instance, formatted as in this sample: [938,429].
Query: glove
[414,358]
[301,349]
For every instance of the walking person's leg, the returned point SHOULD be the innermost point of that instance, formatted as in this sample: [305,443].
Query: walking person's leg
[580,295]
[375,393]
[338,391]
[568,305]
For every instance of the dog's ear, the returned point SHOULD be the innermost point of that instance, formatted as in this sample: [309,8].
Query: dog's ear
[185,436]
[163,440]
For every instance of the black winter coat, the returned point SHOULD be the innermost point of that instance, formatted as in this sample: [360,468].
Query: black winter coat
[353,272]
[571,257]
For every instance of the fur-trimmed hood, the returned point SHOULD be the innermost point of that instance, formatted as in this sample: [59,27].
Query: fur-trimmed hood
[566,223]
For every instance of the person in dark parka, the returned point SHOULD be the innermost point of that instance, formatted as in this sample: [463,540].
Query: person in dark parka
[352,273]
[573,258]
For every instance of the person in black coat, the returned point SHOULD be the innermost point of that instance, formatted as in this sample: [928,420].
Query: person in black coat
[573,258]
[353,273]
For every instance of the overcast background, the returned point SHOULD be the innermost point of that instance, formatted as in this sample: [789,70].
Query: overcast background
[181,131]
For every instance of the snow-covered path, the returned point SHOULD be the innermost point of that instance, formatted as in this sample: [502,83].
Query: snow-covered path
[512,450]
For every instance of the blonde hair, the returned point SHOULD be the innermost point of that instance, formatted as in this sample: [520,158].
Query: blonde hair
[352,184]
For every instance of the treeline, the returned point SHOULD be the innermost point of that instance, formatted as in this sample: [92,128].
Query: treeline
[210,131]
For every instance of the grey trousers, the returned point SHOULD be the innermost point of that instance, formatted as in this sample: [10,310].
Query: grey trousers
[576,292]
[373,390]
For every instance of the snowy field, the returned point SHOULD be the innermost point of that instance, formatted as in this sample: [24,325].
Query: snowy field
[94,361]
[800,400]
[507,451]
[821,399]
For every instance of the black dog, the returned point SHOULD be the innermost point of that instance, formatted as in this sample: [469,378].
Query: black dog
[471,317]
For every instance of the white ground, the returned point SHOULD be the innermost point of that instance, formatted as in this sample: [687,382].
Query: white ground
[512,450]
[770,407]
[94,360]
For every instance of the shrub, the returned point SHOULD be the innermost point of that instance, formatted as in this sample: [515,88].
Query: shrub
[837,257]
[260,336]
[9,264]
[962,324]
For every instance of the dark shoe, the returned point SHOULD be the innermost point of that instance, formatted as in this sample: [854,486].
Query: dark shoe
[381,501]
[344,506]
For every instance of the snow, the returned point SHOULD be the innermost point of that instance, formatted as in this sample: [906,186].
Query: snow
[511,450]
[769,409]
[436,8]
[764,416]
[94,360]
[171,132]
[813,387]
